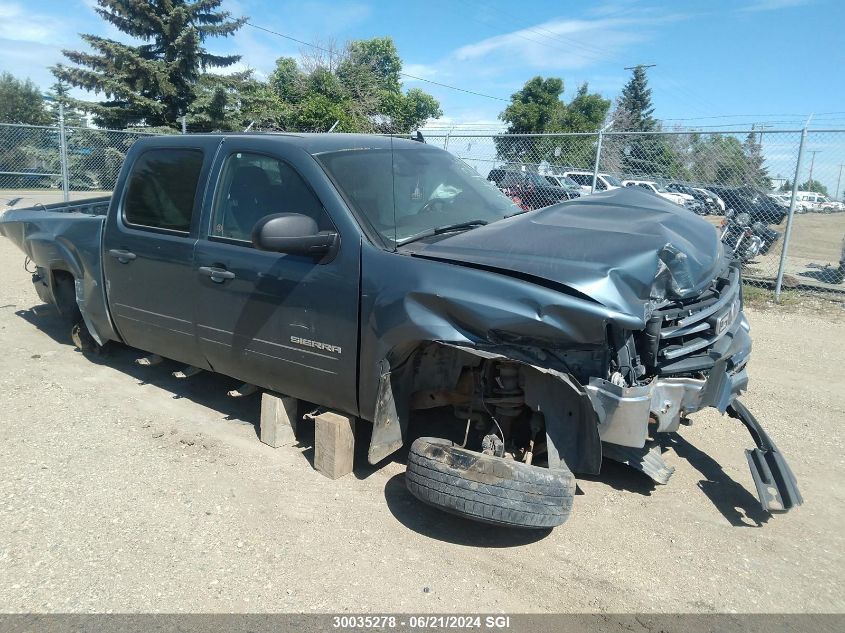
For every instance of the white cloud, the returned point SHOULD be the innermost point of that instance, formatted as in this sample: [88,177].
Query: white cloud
[22,25]
[424,71]
[561,43]
[773,5]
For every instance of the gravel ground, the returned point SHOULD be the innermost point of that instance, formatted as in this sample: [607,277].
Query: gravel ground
[124,489]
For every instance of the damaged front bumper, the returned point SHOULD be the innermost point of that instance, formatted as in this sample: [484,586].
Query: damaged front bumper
[625,412]
[776,486]
[624,415]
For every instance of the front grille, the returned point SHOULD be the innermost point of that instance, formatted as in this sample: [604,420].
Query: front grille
[678,337]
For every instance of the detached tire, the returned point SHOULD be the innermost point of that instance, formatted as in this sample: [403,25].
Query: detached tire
[488,489]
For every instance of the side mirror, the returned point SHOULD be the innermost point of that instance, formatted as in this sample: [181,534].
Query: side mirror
[293,234]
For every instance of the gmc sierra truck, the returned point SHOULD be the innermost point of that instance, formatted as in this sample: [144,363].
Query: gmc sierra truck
[384,279]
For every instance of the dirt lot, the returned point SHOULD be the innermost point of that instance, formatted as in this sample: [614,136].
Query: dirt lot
[122,488]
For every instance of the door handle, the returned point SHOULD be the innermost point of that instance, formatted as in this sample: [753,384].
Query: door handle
[124,257]
[218,275]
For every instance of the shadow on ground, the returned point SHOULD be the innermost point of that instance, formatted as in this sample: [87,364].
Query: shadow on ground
[735,502]
[621,477]
[206,388]
[827,275]
[732,499]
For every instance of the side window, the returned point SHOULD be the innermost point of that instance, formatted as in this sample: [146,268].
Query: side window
[254,186]
[600,184]
[162,187]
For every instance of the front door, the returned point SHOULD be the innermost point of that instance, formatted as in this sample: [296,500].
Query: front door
[284,322]
[148,252]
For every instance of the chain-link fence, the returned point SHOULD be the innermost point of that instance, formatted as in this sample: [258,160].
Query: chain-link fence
[41,164]
[763,191]
[744,183]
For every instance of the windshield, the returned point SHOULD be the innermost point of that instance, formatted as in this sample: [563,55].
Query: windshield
[563,181]
[612,180]
[536,179]
[407,191]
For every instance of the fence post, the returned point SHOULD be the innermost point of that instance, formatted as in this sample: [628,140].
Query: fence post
[598,157]
[788,233]
[63,154]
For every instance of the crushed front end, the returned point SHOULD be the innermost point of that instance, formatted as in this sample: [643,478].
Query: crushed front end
[691,355]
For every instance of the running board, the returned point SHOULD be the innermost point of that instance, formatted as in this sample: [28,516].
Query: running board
[647,460]
[776,486]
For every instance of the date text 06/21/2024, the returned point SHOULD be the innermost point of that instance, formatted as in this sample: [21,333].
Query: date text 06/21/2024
[421,621]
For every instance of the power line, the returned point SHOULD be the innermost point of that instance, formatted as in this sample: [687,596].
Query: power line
[802,116]
[408,75]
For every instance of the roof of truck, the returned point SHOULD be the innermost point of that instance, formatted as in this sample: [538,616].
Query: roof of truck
[313,143]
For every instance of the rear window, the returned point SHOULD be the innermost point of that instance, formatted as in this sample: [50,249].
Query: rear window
[162,187]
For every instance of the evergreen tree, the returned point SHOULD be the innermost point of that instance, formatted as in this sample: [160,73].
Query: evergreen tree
[153,83]
[756,173]
[60,94]
[643,154]
[635,102]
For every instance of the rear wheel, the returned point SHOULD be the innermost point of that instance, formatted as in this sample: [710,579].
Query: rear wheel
[487,488]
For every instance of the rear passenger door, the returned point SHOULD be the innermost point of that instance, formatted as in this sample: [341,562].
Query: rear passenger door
[284,322]
[149,246]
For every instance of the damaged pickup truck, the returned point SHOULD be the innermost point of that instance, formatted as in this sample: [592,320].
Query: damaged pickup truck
[384,279]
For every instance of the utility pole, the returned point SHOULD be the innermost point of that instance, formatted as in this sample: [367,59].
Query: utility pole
[640,66]
[762,127]
[838,193]
[812,161]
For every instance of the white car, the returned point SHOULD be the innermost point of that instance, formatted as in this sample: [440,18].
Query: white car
[719,202]
[604,182]
[678,198]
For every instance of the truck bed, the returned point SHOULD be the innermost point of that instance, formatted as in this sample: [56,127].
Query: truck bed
[65,239]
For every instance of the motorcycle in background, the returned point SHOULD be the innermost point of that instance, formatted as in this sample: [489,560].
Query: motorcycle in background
[746,239]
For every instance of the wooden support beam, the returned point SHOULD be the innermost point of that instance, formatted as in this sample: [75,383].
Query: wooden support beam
[278,419]
[187,372]
[334,444]
[243,391]
[149,361]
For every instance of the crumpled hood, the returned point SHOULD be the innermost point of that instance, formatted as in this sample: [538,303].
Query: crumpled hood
[622,248]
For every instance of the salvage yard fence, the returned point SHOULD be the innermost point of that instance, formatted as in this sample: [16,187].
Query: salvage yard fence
[757,176]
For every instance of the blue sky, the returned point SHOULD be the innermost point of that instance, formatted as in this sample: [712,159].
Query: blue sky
[719,62]
[714,57]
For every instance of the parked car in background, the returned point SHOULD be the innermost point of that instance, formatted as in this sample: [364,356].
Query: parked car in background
[720,204]
[529,189]
[707,201]
[761,206]
[832,206]
[783,198]
[604,182]
[650,185]
[559,180]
